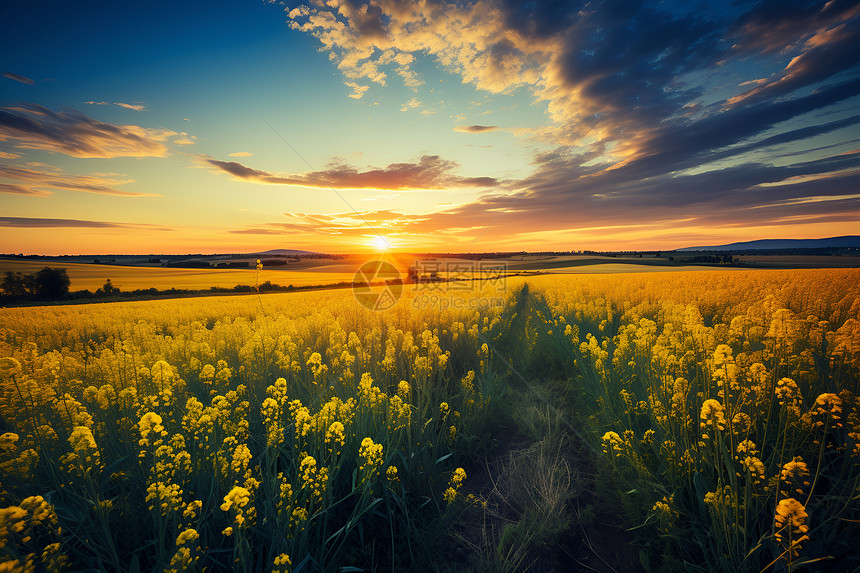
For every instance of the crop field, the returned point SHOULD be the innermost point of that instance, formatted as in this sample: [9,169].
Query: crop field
[127,278]
[91,277]
[684,421]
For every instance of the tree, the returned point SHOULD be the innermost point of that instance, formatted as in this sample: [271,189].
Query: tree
[14,285]
[51,283]
[108,289]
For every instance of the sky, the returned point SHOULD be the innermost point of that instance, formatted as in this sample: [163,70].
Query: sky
[345,126]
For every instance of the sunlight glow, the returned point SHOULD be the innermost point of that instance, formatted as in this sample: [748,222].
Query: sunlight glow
[380,243]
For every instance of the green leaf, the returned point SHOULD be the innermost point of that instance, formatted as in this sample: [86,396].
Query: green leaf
[302,564]
[111,469]
[134,566]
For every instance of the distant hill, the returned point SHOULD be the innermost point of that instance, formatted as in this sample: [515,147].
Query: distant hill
[850,241]
[285,252]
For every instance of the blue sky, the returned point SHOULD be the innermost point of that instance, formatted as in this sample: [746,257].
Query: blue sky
[234,126]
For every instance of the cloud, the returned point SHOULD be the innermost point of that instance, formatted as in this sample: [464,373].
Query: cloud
[40,223]
[774,26]
[36,180]
[131,106]
[21,190]
[582,60]
[411,104]
[240,154]
[135,107]
[475,128]
[822,56]
[18,78]
[345,224]
[657,115]
[607,74]
[429,172]
[7,155]
[182,138]
[31,126]
[357,90]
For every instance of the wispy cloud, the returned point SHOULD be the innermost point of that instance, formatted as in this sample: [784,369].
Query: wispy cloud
[40,223]
[475,128]
[132,106]
[32,126]
[411,104]
[36,181]
[240,154]
[357,90]
[21,190]
[429,172]
[346,224]
[17,78]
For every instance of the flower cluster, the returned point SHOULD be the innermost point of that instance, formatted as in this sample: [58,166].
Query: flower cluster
[457,479]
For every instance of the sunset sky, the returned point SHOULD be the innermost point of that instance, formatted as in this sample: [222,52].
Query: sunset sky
[189,126]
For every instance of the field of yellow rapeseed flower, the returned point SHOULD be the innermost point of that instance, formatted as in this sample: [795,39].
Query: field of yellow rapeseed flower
[303,432]
[729,409]
[220,434]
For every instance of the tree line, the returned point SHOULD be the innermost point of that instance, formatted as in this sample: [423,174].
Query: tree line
[45,284]
[53,284]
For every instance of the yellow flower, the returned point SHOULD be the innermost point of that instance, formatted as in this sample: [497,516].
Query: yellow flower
[723,355]
[391,474]
[458,476]
[8,441]
[281,563]
[457,479]
[795,475]
[9,366]
[372,454]
[612,442]
[828,404]
[238,497]
[192,510]
[82,439]
[712,415]
[187,536]
[228,531]
[747,447]
[150,422]
[790,520]
[335,436]
[403,389]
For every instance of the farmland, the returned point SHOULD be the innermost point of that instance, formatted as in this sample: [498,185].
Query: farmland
[702,420]
[127,277]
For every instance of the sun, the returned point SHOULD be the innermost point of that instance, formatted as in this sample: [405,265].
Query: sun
[380,243]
